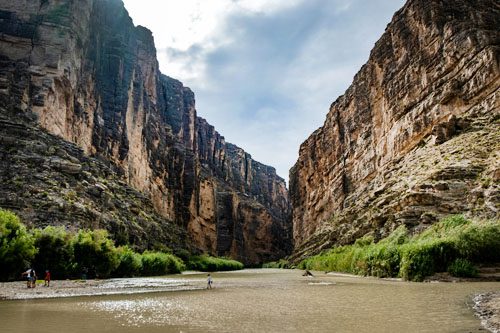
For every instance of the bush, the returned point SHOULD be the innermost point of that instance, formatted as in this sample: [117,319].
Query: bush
[130,263]
[398,237]
[206,263]
[182,254]
[94,253]
[453,221]
[462,268]
[16,246]
[480,242]
[383,260]
[159,263]
[364,257]
[364,241]
[414,258]
[89,253]
[54,251]
[282,263]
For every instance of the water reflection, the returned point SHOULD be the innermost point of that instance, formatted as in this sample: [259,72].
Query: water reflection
[142,312]
[257,301]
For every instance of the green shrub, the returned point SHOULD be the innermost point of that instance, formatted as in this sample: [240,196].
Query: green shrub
[130,263]
[414,258]
[206,263]
[54,251]
[16,246]
[364,241]
[182,254]
[418,261]
[159,263]
[453,221]
[398,237]
[282,263]
[480,242]
[383,260]
[94,253]
[89,253]
[462,268]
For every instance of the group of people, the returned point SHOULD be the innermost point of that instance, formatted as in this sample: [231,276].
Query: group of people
[31,278]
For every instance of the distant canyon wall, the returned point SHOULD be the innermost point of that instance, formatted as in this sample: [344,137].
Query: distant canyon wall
[415,137]
[82,71]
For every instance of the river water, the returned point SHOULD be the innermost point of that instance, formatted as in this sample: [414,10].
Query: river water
[258,300]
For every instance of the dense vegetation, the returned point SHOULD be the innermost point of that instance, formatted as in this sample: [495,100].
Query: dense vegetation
[209,264]
[282,263]
[16,245]
[455,244]
[87,254]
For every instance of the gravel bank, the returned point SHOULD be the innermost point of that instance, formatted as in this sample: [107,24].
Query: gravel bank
[70,288]
[487,307]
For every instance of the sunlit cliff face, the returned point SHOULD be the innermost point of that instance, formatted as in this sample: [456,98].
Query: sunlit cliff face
[413,135]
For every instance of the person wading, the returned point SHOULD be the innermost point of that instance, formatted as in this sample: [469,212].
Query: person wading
[209,281]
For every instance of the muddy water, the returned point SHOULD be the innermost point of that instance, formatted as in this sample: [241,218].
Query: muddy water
[259,301]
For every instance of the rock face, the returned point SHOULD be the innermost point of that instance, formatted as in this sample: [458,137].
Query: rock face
[83,72]
[50,181]
[414,138]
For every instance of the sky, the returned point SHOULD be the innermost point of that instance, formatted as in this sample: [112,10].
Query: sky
[264,72]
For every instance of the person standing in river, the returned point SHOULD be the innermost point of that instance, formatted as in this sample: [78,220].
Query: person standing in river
[209,282]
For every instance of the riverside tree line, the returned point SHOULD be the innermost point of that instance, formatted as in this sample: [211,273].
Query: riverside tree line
[88,252]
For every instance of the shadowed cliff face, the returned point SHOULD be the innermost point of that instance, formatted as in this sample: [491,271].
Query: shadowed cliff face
[82,71]
[416,135]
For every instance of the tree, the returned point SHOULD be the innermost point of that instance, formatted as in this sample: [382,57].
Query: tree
[16,246]
[54,251]
[95,253]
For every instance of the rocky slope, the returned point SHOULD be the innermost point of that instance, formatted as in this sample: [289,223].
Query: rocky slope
[83,72]
[414,138]
[52,182]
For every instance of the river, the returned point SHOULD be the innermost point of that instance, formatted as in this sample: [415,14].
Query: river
[258,300]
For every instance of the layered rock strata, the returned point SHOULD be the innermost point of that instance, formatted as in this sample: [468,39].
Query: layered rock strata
[415,137]
[83,71]
[50,181]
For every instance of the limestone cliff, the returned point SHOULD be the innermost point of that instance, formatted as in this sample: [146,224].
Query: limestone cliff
[50,181]
[83,71]
[414,138]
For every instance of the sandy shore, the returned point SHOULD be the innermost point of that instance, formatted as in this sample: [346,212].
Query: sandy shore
[71,288]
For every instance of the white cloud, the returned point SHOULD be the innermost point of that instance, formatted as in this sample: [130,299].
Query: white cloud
[264,72]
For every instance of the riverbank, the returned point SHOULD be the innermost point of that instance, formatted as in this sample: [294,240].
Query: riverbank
[454,245]
[487,307]
[239,297]
[72,288]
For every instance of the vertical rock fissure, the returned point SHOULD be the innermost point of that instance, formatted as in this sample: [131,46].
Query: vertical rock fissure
[343,153]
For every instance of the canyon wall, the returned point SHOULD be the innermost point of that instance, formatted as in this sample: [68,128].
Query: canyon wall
[83,72]
[414,138]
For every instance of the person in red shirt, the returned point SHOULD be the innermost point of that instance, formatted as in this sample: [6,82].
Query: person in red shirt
[47,278]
